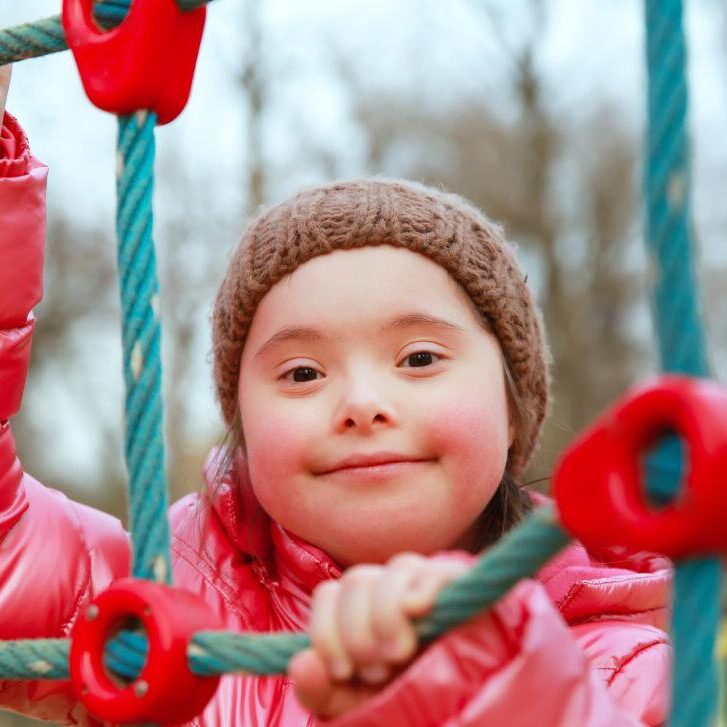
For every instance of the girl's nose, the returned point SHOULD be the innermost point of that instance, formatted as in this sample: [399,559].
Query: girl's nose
[363,421]
[364,408]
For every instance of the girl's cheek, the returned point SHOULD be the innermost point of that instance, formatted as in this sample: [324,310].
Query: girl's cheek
[276,441]
[462,422]
[471,441]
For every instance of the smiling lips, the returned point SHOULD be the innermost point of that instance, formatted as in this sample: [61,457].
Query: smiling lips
[375,463]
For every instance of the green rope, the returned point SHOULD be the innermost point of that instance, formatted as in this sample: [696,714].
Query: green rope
[519,554]
[147,487]
[34,659]
[42,37]
[682,348]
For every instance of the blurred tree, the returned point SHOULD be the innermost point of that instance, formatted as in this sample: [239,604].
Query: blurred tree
[190,266]
[77,312]
[253,85]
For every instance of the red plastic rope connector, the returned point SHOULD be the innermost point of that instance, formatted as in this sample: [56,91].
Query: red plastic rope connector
[599,481]
[147,62]
[166,691]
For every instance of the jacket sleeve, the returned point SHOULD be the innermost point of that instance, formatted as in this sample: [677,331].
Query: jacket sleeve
[520,664]
[54,553]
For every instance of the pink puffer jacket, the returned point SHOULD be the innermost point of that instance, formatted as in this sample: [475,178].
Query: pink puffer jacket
[582,643]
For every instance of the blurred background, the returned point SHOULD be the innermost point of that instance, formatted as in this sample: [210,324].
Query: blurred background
[534,110]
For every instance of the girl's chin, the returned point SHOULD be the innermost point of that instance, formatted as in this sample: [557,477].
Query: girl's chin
[377,547]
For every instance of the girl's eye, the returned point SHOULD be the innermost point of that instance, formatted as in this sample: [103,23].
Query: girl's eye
[421,358]
[304,374]
[301,374]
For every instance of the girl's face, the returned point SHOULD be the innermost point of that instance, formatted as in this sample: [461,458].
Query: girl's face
[373,351]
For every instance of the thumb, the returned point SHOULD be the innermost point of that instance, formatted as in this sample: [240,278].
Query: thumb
[316,690]
[313,685]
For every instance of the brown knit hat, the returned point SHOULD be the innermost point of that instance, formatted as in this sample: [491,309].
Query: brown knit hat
[444,227]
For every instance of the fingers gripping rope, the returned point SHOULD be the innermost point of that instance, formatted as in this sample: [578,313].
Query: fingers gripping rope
[519,554]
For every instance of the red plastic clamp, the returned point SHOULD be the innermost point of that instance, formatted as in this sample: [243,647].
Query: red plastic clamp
[147,62]
[598,482]
[166,691]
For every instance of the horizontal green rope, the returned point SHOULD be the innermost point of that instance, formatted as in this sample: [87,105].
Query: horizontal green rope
[42,37]
[519,554]
[34,659]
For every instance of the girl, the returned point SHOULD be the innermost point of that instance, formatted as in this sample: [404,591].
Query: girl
[381,366]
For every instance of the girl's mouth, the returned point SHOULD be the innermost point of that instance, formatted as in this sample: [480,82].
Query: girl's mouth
[379,471]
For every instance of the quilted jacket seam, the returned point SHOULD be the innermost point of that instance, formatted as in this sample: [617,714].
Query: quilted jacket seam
[633,655]
[615,615]
[177,541]
[86,589]
[578,587]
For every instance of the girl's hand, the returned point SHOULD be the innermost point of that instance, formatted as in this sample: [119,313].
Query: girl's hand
[5,73]
[362,632]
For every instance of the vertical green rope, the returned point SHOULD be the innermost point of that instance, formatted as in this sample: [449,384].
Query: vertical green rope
[148,499]
[682,347]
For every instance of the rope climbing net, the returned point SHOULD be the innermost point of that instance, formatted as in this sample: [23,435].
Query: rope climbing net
[522,552]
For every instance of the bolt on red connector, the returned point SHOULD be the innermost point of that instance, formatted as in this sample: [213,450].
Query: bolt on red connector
[166,691]
[599,486]
[147,62]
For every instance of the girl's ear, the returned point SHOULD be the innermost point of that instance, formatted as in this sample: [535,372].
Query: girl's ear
[511,434]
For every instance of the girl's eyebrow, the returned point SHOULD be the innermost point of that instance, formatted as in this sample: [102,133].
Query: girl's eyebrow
[313,335]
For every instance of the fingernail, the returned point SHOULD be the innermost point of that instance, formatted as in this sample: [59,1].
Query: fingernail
[374,674]
[341,669]
[396,649]
[414,595]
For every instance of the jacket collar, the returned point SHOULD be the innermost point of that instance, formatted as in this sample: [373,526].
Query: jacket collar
[581,583]
[251,530]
